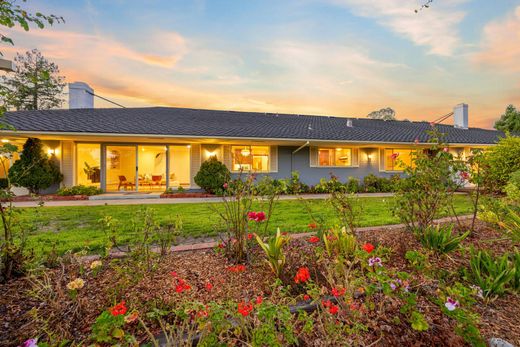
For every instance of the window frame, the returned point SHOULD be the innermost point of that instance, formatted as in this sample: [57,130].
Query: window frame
[269,158]
[384,149]
[352,154]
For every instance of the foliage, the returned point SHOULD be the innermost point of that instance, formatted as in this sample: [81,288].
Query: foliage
[509,121]
[108,328]
[274,252]
[212,176]
[353,185]
[12,14]
[36,83]
[417,259]
[383,114]
[339,242]
[440,238]
[79,190]
[34,170]
[500,161]
[13,252]
[347,208]
[374,184]
[424,192]
[491,273]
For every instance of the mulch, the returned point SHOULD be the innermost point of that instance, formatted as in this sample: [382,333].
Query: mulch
[47,197]
[24,310]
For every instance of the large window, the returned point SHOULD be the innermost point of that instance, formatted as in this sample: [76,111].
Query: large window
[250,158]
[397,159]
[88,164]
[180,166]
[334,156]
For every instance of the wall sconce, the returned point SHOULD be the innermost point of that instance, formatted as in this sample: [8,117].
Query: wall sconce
[210,154]
[50,152]
[369,157]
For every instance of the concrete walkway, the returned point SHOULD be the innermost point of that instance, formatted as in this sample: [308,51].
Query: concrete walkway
[149,201]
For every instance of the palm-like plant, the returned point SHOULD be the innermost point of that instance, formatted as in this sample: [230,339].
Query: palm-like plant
[273,250]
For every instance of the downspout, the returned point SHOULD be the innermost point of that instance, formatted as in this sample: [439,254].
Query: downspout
[296,151]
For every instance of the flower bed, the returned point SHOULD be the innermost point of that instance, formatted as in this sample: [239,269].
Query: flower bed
[379,305]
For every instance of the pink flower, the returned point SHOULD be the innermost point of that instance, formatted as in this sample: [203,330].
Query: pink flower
[260,216]
[416,140]
[259,300]
[464,175]
[451,304]
[251,215]
[225,186]
[445,150]
[173,274]
[30,343]
[375,261]
[394,156]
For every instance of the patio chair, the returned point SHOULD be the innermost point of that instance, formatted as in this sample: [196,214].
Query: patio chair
[123,182]
[157,180]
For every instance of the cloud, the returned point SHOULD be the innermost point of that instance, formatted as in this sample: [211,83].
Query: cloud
[500,45]
[434,27]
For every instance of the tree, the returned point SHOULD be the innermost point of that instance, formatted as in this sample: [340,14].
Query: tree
[35,85]
[34,170]
[12,14]
[509,121]
[384,114]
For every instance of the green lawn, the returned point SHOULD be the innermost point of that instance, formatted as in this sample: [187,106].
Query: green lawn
[75,228]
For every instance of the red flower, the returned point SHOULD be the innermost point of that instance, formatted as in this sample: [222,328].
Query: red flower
[326,303]
[259,300]
[220,245]
[368,247]
[202,314]
[337,292]
[119,309]
[209,286]
[245,309]
[333,309]
[394,156]
[251,215]
[249,236]
[173,273]
[314,239]
[464,175]
[302,276]
[182,286]
[260,216]
[312,226]
[306,297]
[237,268]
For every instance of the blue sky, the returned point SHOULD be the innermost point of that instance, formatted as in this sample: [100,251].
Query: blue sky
[334,57]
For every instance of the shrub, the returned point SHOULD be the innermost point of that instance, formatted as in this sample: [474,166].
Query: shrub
[440,238]
[212,175]
[492,274]
[79,190]
[347,208]
[353,185]
[4,183]
[374,184]
[34,170]
[500,162]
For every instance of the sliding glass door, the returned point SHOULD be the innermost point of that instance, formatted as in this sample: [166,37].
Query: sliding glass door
[121,168]
[152,168]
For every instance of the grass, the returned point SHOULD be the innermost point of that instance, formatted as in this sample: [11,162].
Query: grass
[75,228]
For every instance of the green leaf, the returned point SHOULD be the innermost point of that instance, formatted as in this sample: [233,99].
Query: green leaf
[118,333]
[418,321]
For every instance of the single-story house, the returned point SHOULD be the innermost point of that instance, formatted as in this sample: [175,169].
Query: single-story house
[152,148]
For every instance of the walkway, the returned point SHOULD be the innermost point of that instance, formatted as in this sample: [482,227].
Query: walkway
[151,201]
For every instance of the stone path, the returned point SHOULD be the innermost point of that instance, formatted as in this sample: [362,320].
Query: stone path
[149,201]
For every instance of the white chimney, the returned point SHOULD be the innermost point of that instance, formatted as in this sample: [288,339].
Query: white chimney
[460,116]
[80,95]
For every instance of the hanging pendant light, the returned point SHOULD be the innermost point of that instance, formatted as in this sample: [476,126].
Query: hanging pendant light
[245,152]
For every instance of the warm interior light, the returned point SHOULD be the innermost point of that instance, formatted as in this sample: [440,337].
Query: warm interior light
[245,152]
[5,140]
[189,146]
[369,157]
[50,151]
[338,149]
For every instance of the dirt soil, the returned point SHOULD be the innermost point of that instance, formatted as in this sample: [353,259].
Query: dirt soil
[33,304]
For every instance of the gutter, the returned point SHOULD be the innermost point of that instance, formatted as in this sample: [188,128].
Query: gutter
[301,147]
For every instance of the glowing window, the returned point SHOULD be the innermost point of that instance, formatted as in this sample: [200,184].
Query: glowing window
[250,158]
[334,156]
[397,159]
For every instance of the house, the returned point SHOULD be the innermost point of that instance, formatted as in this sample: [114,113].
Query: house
[149,149]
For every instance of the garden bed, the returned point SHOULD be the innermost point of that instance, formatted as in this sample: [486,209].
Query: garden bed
[31,306]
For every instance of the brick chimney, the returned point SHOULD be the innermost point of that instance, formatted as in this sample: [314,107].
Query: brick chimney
[80,95]
[460,116]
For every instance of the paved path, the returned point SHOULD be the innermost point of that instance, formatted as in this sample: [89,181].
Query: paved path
[149,201]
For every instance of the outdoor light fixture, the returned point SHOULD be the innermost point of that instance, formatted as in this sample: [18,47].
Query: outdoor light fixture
[50,152]
[369,157]
[245,152]
[5,140]
[189,146]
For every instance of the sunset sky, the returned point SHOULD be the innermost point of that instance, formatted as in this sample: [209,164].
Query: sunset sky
[332,57]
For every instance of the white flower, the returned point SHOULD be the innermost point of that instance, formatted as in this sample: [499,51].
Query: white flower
[375,261]
[451,304]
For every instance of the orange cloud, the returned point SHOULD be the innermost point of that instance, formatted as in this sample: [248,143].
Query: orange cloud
[500,46]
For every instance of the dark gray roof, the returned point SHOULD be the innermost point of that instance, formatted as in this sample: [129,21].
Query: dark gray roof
[207,123]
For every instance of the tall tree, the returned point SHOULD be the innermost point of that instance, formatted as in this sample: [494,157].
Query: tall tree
[384,114]
[509,121]
[35,85]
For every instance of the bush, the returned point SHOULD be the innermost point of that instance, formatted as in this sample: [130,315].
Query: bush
[440,238]
[212,176]
[34,170]
[353,185]
[374,184]
[79,190]
[500,162]
[4,183]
